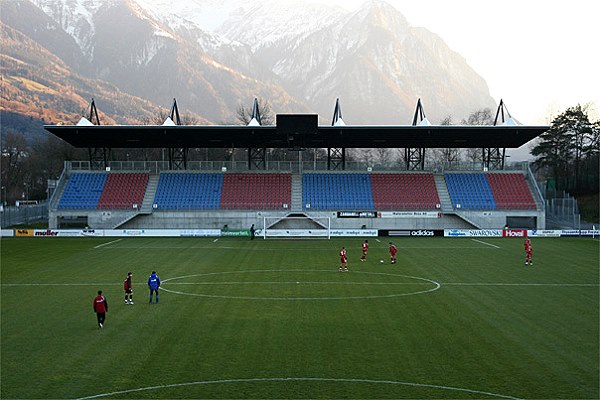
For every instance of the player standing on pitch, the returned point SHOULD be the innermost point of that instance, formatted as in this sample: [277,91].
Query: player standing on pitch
[528,252]
[153,284]
[343,260]
[365,248]
[393,252]
[128,287]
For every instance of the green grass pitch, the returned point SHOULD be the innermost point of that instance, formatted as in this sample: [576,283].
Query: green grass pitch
[456,318]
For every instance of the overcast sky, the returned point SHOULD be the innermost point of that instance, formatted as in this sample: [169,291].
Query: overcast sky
[539,56]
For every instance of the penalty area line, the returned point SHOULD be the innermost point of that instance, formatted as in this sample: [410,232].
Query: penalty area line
[106,244]
[489,244]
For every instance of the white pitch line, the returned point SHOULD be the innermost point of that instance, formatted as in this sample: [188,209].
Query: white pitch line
[58,284]
[489,244]
[160,248]
[307,379]
[299,283]
[105,244]
[216,240]
[520,284]
[436,284]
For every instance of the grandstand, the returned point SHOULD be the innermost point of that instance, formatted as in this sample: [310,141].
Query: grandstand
[226,196]
[199,199]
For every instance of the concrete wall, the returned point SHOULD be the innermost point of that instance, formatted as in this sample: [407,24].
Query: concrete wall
[243,220]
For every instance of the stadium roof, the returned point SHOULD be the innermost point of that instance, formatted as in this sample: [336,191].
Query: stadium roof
[305,136]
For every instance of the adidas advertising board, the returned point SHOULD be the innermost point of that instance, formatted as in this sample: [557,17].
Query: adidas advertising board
[413,233]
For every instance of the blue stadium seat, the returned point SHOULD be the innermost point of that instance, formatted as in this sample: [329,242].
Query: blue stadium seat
[83,191]
[337,192]
[188,191]
[470,191]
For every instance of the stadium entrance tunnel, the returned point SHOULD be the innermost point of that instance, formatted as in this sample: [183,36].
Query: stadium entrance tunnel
[298,284]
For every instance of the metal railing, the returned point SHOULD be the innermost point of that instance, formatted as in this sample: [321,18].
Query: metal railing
[23,215]
[562,212]
[155,167]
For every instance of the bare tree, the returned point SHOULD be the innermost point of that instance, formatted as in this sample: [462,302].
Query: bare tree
[383,156]
[13,158]
[365,155]
[447,156]
[244,115]
[479,117]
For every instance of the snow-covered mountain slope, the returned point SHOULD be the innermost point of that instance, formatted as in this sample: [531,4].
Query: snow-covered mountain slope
[215,54]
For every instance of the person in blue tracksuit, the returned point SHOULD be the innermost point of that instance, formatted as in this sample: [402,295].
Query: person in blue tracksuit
[153,284]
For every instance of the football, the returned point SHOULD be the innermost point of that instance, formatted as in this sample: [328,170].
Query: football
[381,261]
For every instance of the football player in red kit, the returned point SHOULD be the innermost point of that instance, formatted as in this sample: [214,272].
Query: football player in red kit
[100,308]
[128,288]
[393,252]
[365,248]
[343,260]
[528,252]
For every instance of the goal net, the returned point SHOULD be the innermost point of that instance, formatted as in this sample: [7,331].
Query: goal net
[296,227]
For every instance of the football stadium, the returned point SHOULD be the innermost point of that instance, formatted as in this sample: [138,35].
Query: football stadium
[253,300]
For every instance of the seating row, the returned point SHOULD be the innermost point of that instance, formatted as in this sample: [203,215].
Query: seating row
[489,191]
[320,191]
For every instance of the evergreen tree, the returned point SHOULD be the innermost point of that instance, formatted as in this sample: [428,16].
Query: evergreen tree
[567,149]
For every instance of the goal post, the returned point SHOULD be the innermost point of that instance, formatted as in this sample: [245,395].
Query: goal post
[296,227]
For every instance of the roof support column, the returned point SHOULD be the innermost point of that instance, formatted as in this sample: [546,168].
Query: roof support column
[99,156]
[257,158]
[493,157]
[414,157]
[336,159]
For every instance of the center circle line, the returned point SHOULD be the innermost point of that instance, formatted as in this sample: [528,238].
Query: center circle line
[169,282]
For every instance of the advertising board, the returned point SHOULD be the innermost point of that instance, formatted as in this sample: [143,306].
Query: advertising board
[473,232]
[412,232]
[409,214]
[543,233]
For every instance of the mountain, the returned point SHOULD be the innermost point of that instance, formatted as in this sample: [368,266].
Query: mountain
[143,56]
[214,56]
[372,59]
[39,88]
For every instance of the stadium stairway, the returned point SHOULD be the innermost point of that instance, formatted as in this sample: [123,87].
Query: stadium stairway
[58,192]
[442,189]
[540,203]
[296,205]
[116,219]
[147,203]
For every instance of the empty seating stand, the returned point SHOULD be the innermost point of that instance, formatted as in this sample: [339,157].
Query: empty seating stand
[82,191]
[405,191]
[470,191]
[188,191]
[337,192]
[123,191]
[511,191]
[256,191]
